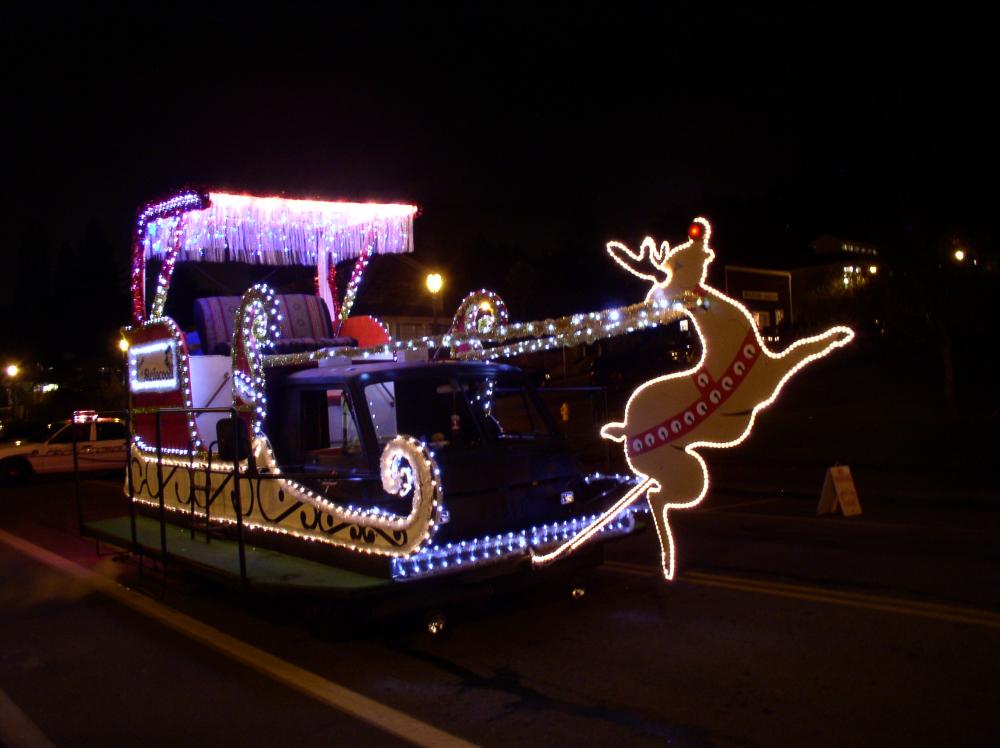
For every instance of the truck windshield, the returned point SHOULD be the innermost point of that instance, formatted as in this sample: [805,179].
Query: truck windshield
[505,409]
[432,409]
[447,411]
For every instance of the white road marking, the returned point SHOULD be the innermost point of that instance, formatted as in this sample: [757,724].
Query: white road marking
[343,699]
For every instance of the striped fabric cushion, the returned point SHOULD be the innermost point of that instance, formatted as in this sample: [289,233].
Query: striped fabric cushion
[305,319]
[214,317]
[304,316]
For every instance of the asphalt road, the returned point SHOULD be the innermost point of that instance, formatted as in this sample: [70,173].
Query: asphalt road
[782,629]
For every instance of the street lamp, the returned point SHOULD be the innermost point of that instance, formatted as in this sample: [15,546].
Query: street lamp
[959,255]
[435,283]
[123,345]
[12,371]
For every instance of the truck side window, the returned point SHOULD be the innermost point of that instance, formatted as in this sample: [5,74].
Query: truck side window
[330,435]
[435,411]
[343,422]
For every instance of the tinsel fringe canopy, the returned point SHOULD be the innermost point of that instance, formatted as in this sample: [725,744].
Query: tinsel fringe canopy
[279,231]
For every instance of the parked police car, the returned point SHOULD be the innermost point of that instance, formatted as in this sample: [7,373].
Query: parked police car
[100,445]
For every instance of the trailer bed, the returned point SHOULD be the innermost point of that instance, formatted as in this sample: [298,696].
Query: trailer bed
[265,568]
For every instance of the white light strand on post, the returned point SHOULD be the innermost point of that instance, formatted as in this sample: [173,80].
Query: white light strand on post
[176,229]
[354,282]
[255,331]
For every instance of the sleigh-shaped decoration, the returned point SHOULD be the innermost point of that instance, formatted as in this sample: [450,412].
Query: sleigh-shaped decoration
[283,423]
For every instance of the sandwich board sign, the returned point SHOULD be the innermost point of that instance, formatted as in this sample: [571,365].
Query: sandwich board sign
[839,490]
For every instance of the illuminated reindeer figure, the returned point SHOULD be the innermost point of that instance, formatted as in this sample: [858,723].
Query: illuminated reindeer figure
[713,404]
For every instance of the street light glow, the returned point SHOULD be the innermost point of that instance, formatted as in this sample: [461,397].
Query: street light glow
[959,254]
[123,345]
[434,282]
[13,370]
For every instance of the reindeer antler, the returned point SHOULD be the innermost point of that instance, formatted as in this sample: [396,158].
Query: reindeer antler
[635,262]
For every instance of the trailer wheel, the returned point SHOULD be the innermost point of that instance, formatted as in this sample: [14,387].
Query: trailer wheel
[14,470]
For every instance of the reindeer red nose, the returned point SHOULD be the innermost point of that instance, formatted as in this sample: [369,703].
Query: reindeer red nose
[696,231]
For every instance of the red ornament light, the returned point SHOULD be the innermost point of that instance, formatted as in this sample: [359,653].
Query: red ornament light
[696,230]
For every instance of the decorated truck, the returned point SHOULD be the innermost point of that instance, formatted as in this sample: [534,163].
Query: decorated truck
[283,422]
[327,455]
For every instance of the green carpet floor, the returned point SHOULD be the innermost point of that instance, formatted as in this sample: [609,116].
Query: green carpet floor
[265,567]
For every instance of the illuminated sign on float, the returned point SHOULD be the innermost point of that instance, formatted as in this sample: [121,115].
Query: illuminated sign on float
[153,367]
[713,404]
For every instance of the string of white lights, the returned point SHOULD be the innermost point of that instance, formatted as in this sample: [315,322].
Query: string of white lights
[520,337]
[408,471]
[255,330]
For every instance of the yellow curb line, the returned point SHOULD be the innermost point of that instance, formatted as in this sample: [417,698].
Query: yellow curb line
[343,699]
[16,728]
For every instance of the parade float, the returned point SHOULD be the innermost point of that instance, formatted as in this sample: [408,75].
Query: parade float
[298,445]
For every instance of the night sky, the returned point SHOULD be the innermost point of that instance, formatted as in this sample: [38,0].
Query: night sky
[529,136]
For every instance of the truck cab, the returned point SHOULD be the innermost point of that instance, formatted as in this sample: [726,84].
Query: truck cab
[504,463]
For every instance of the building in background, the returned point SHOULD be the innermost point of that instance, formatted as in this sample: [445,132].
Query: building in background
[409,326]
[799,284]
[843,261]
[827,244]
[766,293]
[395,293]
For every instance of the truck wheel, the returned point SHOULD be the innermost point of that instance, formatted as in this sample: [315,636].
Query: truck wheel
[14,471]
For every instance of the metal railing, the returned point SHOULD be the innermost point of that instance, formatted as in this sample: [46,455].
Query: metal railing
[233,472]
[160,491]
